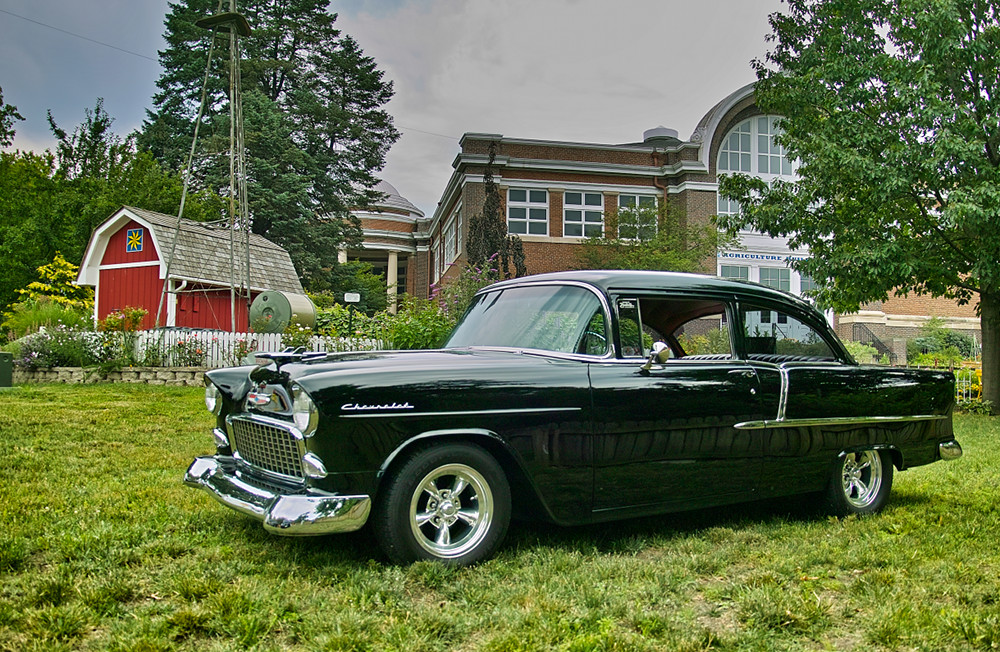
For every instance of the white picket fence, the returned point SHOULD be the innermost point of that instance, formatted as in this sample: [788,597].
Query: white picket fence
[180,347]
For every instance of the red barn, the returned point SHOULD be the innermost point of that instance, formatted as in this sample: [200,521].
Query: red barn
[126,263]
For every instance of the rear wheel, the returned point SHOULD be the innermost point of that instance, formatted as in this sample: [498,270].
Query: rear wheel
[449,503]
[861,483]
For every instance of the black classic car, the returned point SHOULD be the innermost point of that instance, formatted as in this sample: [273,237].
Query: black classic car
[575,397]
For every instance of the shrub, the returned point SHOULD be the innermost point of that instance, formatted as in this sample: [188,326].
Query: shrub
[241,349]
[948,357]
[974,406]
[419,324]
[341,321]
[456,296]
[57,347]
[188,353]
[936,339]
[119,334]
[865,353]
[30,315]
[715,341]
[297,336]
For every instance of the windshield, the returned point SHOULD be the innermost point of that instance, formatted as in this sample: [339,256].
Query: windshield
[560,318]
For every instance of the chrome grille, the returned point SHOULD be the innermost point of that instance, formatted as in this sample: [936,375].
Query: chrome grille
[269,447]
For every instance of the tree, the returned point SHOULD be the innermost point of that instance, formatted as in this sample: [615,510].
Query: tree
[315,132]
[489,243]
[8,114]
[52,202]
[651,237]
[57,281]
[29,233]
[892,112]
[98,171]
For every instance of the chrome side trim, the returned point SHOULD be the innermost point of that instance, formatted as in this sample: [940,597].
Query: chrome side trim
[783,395]
[457,413]
[950,450]
[833,421]
[301,514]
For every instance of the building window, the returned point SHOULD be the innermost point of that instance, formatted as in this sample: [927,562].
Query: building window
[750,147]
[450,242]
[736,154]
[735,271]
[779,278]
[771,157]
[638,220]
[583,215]
[527,211]
[807,285]
[728,206]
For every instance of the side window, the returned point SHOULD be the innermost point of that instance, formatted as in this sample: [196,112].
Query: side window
[776,336]
[630,327]
[706,337]
[594,340]
[693,329]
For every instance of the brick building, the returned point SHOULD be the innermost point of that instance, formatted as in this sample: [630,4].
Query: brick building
[555,194]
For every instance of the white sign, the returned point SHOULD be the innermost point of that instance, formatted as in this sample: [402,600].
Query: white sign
[352,297]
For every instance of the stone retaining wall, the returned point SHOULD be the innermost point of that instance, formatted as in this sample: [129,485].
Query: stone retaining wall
[192,376]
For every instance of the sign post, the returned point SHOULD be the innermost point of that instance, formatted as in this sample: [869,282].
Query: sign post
[351,298]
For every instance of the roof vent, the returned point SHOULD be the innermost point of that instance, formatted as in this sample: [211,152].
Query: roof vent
[660,133]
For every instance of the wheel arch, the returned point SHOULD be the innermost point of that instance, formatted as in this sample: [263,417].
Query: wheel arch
[895,455]
[525,498]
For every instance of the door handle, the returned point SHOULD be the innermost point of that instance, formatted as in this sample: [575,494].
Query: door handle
[743,373]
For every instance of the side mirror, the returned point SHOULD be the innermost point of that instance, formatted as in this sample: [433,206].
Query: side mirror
[659,354]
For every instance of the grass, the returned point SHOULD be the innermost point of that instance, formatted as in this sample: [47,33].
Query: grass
[103,548]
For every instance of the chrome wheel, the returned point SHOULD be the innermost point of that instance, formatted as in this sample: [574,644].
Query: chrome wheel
[860,482]
[447,501]
[451,510]
[862,478]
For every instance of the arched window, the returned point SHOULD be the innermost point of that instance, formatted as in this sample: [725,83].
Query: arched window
[750,148]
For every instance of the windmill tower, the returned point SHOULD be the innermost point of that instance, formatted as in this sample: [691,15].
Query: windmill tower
[235,26]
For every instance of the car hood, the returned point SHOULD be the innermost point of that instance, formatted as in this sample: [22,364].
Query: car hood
[445,379]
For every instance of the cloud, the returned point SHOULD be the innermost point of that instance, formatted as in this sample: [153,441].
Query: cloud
[575,70]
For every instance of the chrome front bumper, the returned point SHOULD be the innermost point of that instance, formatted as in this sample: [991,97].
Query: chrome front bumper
[304,514]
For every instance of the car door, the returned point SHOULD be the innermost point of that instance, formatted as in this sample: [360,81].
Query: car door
[664,435]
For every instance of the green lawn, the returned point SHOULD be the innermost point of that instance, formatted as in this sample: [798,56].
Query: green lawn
[102,547]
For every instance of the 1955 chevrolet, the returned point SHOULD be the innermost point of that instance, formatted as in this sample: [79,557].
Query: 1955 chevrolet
[575,397]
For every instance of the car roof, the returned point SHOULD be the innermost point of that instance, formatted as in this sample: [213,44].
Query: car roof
[612,281]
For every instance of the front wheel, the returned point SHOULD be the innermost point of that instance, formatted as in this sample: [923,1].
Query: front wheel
[860,483]
[447,502]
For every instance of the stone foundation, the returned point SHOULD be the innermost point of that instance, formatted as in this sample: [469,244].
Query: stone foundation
[184,376]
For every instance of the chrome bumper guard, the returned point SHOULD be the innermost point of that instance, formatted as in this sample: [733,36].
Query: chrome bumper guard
[950,450]
[311,513]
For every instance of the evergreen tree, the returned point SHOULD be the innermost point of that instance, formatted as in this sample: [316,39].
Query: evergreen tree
[315,132]
[488,242]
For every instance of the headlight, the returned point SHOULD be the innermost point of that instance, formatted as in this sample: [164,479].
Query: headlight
[213,397]
[304,411]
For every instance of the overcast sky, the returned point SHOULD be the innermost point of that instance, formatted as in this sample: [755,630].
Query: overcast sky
[599,71]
